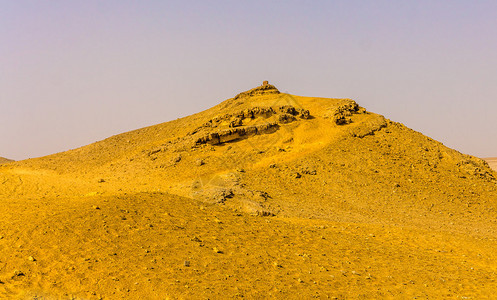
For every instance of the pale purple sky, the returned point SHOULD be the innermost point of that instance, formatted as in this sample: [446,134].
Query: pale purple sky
[74,72]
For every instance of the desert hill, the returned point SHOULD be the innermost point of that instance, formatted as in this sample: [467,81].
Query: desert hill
[264,152]
[4,160]
[240,179]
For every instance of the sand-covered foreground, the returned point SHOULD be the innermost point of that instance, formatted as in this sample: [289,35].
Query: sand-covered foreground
[155,246]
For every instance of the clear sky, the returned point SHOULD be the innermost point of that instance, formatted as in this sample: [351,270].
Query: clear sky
[74,72]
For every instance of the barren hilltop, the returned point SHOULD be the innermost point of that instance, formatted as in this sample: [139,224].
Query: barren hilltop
[265,195]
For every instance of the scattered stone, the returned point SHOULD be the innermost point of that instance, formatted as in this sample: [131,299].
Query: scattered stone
[221,195]
[152,152]
[17,273]
[186,263]
[101,180]
[196,239]
[96,207]
[297,175]
[308,171]
[286,118]
[216,250]
[236,122]
[199,162]
[30,258]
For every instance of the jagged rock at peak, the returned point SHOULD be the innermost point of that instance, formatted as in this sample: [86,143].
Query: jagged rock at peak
[264,89]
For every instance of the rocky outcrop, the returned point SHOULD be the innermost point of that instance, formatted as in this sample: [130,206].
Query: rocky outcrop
[231,134]
[291,110]
[237,124]
[369,128]
[236,119]
[473,166]
[341,114]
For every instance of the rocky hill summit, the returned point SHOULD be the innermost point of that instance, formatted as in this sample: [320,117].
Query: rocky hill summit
[264,89]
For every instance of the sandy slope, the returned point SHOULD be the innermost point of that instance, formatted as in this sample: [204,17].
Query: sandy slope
[265,195]
[492,162]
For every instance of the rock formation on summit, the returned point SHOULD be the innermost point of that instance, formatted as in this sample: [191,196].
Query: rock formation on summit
[264,89]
